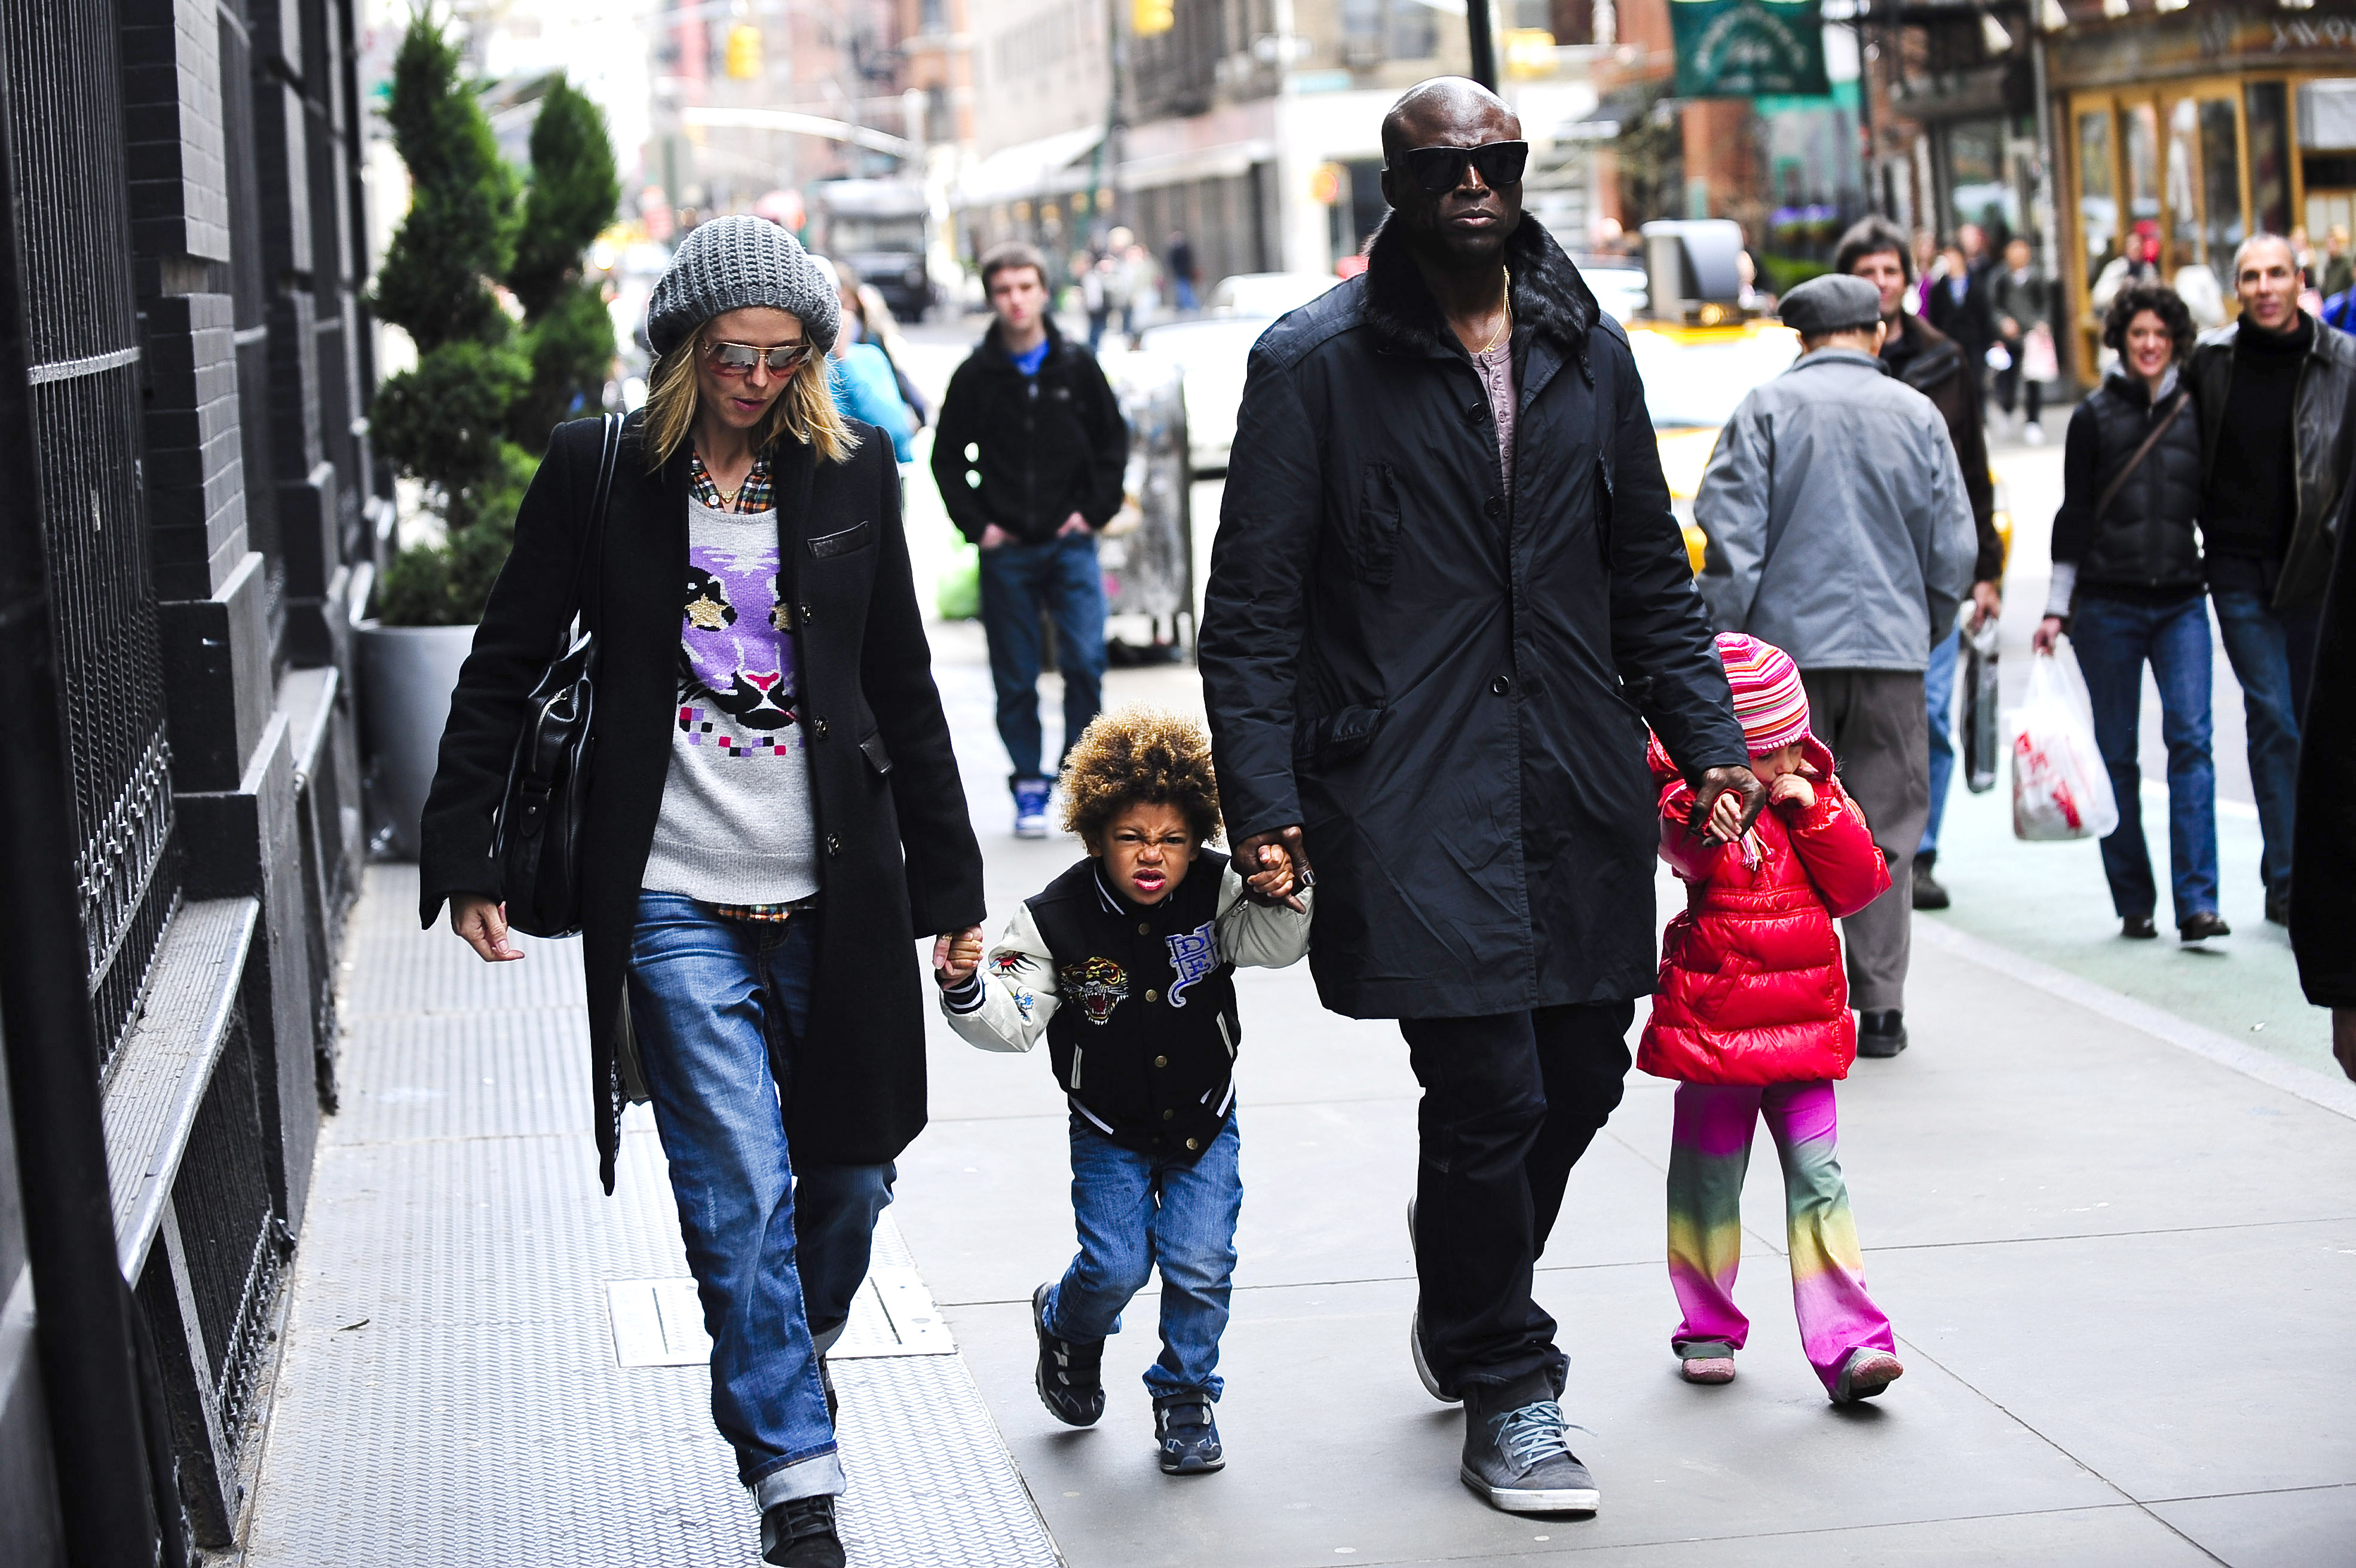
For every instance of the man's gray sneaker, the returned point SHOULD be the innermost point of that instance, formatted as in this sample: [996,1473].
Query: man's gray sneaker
[1517,1454]
[1415,1329]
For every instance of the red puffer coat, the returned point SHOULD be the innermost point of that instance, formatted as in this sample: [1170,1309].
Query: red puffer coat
[1753,988]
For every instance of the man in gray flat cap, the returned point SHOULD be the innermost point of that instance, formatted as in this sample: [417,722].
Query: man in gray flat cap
[1841,531]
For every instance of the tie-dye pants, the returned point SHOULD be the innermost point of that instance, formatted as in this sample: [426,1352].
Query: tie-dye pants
[1709,1152]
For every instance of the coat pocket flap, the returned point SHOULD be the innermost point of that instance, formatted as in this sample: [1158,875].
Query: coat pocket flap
[827,546]
[871,748]
[1343,734]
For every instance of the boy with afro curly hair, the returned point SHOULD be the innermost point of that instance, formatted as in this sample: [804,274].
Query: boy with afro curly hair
[1126,963]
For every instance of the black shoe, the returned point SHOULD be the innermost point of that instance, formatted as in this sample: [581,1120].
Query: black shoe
[2199,927]
[2141,928]
[1070,1374]
[1881,1032]
[799,1533]
[2278,909]
[1927,894]
[1188,1437]
[1516,1453]
[826,1384]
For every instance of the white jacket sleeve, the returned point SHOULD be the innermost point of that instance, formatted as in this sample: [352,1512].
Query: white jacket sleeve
[1262,936]
[1006,1005]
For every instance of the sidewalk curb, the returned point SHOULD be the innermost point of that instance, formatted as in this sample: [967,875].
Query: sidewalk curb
[2315,1088]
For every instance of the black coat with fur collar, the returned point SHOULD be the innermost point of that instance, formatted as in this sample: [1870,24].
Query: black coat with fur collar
[1446,685]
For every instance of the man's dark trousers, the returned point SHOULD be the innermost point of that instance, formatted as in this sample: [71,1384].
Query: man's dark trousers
[1060,579]
[1510,1102]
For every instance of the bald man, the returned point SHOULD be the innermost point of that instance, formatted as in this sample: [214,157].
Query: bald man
[1445,599]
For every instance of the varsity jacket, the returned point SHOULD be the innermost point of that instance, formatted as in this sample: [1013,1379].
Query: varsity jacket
[1138,1002]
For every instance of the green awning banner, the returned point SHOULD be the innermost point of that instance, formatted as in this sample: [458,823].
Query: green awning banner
[1743,49]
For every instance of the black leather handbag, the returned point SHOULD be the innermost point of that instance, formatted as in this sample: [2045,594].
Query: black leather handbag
[537,838]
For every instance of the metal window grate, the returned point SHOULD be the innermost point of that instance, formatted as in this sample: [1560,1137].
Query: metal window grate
[64,145]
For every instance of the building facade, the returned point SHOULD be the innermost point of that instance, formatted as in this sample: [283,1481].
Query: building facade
[184,373]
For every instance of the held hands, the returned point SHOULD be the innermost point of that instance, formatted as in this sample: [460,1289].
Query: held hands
[2048,629]
[1274,882]
[956,955]
[1728,802]
[1294,860]
[483,922]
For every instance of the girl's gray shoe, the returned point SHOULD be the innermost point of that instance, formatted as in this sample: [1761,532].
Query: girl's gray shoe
[1516,1453]
[1187,1436]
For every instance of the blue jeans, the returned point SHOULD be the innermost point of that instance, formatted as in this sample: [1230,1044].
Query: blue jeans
[1939,699]
[2113,638]
[1020,583]
[719,1007]
[2260,649]
[1134,1211]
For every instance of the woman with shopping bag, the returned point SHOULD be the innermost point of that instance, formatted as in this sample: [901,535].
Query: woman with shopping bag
[2128,588]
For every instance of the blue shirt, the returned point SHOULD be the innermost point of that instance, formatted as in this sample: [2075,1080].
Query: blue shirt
[1029,364]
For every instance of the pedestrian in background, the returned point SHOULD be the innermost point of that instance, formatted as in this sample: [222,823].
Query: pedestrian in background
[1838,531]
[859,374]
[1182,270]
[1959,303]
[2023,301]
[1125,964]
[1446,572]
[775,810]
[1919,355]
[1751,1021]
[2273,392]
[1030,456]
[2127,587]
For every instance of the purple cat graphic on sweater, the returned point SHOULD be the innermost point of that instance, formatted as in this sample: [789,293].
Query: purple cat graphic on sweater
[736,689]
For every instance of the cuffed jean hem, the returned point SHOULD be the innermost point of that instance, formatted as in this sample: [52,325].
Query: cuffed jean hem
[1702,1349]
[817,1475]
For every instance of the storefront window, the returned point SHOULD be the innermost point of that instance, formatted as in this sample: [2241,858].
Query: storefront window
[2183,165]
[2142,126]
[2264,104]
[2221,173]
[2098,201]
[1980,194]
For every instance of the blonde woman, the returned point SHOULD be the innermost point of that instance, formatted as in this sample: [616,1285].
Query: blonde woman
[775,813]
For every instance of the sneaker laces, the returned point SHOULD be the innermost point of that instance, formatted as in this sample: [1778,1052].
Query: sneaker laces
[1533,1435]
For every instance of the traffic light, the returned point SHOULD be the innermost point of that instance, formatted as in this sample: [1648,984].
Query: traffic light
[743,51]
[1148,18]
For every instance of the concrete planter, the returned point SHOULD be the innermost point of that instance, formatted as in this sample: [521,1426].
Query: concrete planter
[407,673]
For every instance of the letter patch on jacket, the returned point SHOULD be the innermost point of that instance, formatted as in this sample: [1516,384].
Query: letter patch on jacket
[1099,985]
[1194,955]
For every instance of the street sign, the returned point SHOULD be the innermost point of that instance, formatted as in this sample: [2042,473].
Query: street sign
[1741,48]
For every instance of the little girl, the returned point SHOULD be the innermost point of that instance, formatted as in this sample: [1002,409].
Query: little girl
[1751,1018]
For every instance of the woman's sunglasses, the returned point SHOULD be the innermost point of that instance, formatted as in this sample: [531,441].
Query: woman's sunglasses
[738,359]
[1442,170]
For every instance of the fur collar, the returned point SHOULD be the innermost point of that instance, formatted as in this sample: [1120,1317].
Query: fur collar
[1549,296]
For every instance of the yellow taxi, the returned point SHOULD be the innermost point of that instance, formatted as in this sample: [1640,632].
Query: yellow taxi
[1694,377]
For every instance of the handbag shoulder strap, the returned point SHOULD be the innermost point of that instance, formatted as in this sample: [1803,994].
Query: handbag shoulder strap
[585,566]
[2119,479]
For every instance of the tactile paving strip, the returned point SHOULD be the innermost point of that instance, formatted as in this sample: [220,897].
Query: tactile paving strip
[450,1394]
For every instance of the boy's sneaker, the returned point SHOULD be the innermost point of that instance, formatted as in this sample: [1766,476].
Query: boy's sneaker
[1867,1373]
[1070,1374]
[799,1533]
[1517,1451]
[1030,808]
[1707,1369]
[1187,1436]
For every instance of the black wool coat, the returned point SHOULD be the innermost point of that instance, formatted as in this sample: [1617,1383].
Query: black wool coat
[897,858]
[1448,685]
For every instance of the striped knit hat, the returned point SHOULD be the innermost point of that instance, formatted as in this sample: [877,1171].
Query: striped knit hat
[1768,696]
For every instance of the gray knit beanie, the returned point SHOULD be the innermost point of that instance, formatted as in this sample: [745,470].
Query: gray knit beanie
[731,262]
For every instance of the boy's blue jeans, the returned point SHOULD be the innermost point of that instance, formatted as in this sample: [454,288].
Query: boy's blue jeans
[2114,640]
[1133,1211]
[774,1257]
[1061,580]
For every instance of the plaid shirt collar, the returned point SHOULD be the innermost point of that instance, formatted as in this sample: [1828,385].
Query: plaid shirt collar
[755,494]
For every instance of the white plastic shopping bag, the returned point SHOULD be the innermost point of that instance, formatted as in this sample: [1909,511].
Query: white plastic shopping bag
[2060,787]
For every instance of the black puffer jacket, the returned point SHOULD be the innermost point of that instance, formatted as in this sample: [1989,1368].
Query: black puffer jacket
[1445,683]
[1026,451]
[2147,545]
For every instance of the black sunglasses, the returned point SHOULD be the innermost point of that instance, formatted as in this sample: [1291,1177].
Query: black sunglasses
[1442,170]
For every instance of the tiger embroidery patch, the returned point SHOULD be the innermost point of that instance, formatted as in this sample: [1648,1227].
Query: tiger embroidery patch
[1098,985]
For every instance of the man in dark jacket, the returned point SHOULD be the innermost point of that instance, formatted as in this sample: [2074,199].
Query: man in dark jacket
[2273,392]
[1029,456]
[2325,866]
[1446,597]
[1920,355]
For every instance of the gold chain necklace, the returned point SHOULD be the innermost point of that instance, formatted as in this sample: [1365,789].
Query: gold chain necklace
[1506,325]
